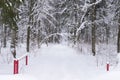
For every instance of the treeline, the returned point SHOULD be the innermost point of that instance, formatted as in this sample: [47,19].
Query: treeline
[82,21]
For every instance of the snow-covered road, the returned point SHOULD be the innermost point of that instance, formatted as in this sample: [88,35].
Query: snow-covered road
[58,62]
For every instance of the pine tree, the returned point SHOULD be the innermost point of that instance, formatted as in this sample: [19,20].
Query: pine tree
[10,16]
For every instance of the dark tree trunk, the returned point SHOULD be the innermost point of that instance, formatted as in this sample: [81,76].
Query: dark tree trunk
[38,39]
[107,34]
[118,40]
[28,39]
[4,40]
[30,23]
[93,40]
[93,29]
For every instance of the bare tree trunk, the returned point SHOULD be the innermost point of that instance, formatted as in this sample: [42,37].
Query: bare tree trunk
[28,39]
[75,35]
[31,3]
[107,34]
[4,40]
[76,20]
[38,39]
[93,40]
[118,40]
[94,30]
[118,37]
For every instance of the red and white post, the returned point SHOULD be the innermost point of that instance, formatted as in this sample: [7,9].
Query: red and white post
[107,66]
[16,62]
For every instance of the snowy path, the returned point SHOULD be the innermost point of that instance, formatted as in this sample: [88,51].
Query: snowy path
[60,62]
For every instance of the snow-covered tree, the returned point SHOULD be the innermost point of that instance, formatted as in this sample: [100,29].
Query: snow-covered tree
[89,18]
[9,13]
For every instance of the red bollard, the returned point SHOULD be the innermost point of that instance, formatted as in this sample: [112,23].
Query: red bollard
[26,60]
[107,66]
[16,66]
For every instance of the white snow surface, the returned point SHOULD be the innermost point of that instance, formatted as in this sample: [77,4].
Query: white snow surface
[59,62]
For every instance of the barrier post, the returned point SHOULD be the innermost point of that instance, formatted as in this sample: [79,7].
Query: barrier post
[16,66]
[26,60]
[107,66]
[16,63]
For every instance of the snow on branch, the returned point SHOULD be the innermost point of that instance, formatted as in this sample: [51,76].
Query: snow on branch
[86,6]
[85,23]
[83,16]
[82,26]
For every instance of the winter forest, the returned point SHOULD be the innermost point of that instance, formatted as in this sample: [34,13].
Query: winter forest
[92,27]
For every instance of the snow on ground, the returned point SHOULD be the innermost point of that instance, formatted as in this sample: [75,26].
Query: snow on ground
[63,63]
[59,62]
[113,75]
[17,77]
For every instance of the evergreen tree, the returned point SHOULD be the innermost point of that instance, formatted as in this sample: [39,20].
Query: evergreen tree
[10,16]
